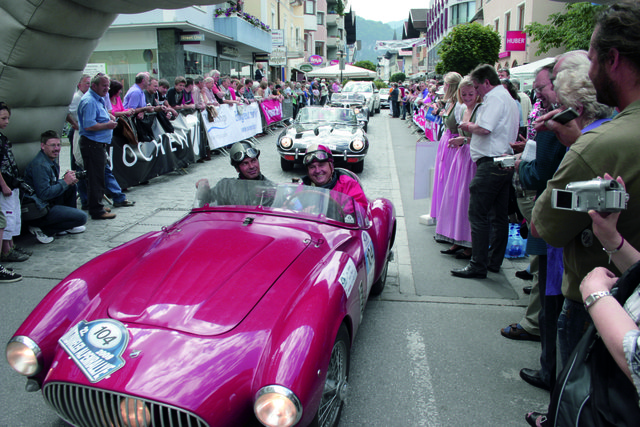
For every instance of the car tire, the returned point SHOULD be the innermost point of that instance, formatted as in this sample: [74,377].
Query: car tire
[366,126]
[358,167]
[286,165]
[333,396]
[378,286]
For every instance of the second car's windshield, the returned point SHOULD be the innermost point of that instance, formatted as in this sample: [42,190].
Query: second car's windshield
[357,87]
[315,115]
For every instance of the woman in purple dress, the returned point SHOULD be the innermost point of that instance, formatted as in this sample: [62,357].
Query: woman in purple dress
[453,222]
[444,155]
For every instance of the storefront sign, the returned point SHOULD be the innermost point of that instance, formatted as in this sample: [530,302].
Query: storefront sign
[516,41]
[315,60]
[278,56]
[504,55]
[305,67]
[334,62]
[191,37]
[277,37]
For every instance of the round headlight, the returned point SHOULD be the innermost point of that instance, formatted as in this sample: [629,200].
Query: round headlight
[357,145]
[356,110]
[286,143]
[23,355]
[277,406]
[134,412]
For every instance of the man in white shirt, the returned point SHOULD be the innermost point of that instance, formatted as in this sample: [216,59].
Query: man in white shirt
[496,126]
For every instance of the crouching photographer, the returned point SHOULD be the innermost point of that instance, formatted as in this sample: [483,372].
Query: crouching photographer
[52,209]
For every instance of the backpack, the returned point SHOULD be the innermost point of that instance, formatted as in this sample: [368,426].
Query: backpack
[591,389]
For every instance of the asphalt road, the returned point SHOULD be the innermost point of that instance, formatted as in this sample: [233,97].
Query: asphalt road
[429,352]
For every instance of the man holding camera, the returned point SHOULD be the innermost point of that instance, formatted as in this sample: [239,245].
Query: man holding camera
[55,195]
[612,147]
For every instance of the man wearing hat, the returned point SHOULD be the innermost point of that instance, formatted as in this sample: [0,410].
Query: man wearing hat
[244,157]
[321,173]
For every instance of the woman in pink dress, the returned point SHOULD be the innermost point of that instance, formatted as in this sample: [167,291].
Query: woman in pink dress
[444,156]
[453,222]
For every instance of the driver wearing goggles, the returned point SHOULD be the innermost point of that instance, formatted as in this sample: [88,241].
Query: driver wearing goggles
[244,157]
[321,173]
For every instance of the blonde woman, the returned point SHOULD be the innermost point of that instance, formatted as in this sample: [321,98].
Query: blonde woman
[453,223]
[451,115]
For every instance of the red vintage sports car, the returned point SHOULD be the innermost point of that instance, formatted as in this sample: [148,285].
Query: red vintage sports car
[241,313]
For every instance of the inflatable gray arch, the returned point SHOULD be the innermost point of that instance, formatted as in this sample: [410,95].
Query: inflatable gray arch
[45,46]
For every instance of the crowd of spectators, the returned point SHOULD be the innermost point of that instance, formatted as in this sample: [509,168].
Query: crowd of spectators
[491,118]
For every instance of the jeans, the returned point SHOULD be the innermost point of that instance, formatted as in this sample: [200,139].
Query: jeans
[63,214]
[112,188]
[572,324]
[403,109]
[395,110]
[488,204]
[95,160]
[550,307]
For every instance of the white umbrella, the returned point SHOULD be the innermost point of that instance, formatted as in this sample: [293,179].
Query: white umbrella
[349,72]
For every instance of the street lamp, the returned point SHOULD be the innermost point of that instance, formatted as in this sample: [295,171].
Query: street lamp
[341,63]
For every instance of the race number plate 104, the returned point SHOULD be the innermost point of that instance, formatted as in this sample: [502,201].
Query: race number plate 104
[96,347]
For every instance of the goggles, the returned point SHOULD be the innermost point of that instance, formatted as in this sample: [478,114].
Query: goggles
[239,156]
[316,156]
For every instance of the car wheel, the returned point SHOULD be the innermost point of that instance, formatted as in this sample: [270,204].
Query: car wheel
[378,286]
[378,109]
[358,167]
[366,125]
[335,385]
[286,165]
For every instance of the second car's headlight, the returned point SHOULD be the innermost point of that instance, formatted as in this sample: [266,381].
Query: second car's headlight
[357,145]
[277,406]
[23,354]
[356,110]
[286,143]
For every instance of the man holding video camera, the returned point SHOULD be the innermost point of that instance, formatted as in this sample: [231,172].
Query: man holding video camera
[55,195]
[612,147]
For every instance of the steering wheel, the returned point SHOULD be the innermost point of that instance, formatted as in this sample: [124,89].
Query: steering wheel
[307,201]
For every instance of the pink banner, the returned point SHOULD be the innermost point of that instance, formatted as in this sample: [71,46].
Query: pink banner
[271,110]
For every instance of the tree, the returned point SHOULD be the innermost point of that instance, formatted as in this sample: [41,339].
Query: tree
[466,47]
[366,64]
[571,30]
[398,77]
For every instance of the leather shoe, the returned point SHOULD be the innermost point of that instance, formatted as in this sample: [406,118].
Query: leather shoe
[493,269]
[451,251]
[524,275]
[527,289]
[106,215]
[463,255]
[469,273]
[532,376]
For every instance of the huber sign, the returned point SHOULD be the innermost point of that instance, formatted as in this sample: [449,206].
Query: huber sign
[516,41]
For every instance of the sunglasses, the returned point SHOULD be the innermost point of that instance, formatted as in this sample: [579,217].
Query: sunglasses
[316,156]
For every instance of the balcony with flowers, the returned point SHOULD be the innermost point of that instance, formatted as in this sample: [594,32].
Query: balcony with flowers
[242,27]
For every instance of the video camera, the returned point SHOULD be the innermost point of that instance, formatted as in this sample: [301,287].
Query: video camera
[505,162]
[601,195]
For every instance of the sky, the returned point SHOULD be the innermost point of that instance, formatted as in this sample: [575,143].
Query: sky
[386,10]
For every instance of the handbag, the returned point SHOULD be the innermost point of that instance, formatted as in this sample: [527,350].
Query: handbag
[212,113]
[30,211]
[592,390]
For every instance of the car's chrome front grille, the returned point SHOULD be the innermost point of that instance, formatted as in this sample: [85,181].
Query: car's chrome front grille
[84,406]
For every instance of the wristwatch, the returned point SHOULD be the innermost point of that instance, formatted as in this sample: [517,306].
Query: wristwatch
[591,299]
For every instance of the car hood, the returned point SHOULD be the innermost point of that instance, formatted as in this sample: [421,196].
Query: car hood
[204,280]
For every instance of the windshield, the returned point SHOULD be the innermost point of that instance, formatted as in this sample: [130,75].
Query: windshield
[333,115]
[358,87]
[301,200]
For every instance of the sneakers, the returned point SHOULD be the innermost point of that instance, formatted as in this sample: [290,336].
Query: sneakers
[123,204]
[77,230]
[13,256]
[22,250]
[8,276]
[42,238]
